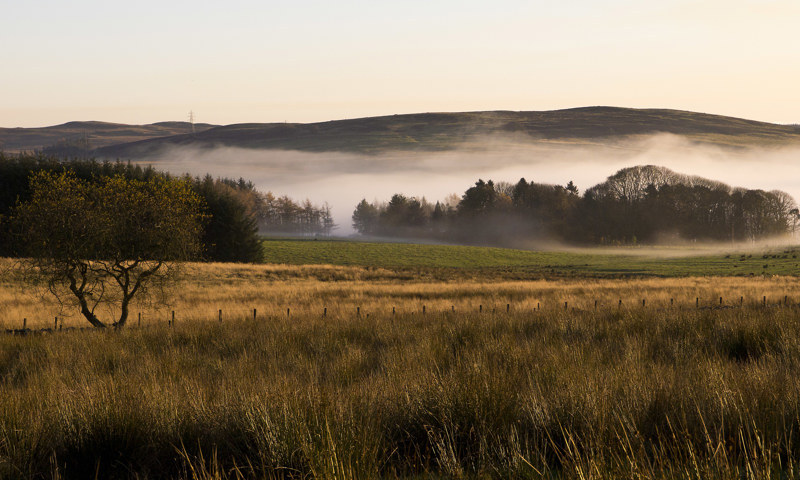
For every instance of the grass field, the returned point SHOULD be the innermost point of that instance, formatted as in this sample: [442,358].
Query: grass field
[607,263]
[448,364]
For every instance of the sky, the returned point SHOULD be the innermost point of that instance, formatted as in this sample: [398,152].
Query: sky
[310,60]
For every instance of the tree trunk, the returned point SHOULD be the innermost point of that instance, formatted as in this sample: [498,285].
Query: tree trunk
[87,313]
[123,314]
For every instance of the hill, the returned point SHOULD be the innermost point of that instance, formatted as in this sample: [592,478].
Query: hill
[444,131]
[88,135]
[413,132]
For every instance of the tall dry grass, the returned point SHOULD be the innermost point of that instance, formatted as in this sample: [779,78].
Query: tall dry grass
[204,289]
[631,392]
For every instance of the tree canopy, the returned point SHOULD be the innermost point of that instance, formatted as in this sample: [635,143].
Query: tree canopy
[107,241]
[638,204]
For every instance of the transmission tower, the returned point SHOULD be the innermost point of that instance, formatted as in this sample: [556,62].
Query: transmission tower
[191,120]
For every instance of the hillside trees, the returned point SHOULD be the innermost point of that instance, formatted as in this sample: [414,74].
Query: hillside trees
[281,215]
[236,211]
[230,233]
[103,243]
[637,204]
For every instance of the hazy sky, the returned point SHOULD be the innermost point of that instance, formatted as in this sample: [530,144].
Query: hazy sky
[309,60]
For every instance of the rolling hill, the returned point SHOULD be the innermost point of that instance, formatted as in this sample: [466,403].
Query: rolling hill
[71,135]
[416,132]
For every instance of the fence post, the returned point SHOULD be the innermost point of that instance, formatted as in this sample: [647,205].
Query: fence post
[24,323]
[358,311]
[453,308]
[697,302]
[55,324]
[393,310]
[741,301]
[220,315]
[423,309]
[254,314]
[671,302]
[620,303]
[139,322]
[595,304]
[565,306]
[538,307]
[480,308]
[288,312]
[172,323]
[764,301]
[643,302]
[508,307]
[720,300]
[325,312]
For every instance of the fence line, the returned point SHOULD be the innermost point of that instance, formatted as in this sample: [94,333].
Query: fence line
[597,306]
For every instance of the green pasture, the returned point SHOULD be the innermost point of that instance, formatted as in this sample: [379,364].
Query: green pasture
[605,263]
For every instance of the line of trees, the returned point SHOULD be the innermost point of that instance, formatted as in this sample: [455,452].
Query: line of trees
[639,204]
[235,211]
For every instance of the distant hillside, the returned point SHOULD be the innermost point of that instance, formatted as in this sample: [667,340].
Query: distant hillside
[422,132]
[443,131]
[88,135]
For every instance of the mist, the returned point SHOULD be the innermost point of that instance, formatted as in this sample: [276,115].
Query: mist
[343,179]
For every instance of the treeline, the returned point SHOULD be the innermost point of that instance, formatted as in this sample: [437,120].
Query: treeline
[236,212]
[279,215]
[648,204]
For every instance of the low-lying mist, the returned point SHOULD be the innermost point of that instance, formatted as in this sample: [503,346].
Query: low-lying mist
[343,179]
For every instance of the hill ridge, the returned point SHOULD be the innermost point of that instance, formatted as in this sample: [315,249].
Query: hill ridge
[423,131]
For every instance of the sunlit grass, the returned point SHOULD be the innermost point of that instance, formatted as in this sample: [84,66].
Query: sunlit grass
[504,262]
[473,377]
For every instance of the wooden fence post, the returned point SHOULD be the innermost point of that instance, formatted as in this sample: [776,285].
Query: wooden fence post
[139,322]
[172,323]
[220,315]
[254,314]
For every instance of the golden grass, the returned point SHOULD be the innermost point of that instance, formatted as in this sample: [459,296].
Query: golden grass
[204,289]
[653,393]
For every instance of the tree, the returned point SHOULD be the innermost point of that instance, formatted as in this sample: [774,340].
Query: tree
[231,232]
[365,218]
[107,241]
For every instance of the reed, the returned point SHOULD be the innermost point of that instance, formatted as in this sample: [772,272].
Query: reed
[615,392]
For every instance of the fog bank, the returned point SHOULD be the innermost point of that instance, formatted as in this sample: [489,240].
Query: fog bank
[343,179]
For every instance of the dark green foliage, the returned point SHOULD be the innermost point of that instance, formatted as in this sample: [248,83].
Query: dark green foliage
[639,204]
[231,235]
[365,218]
